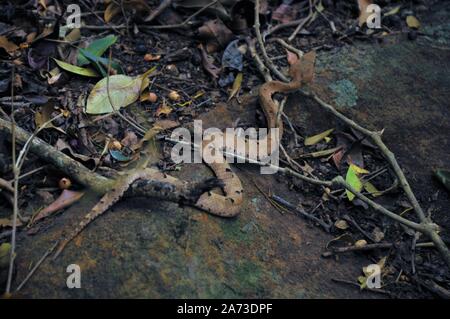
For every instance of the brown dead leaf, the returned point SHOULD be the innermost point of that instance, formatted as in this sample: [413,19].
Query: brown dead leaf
[363,14]
[163,109]
[216,33]
[66,199]
[9,46]
[208,64]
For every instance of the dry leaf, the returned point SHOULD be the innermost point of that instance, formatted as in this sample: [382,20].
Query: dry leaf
[341,224]
[412,22]
[363,14]
[312,140]
[163,109]
[9,47]
[361,243]
[66,199]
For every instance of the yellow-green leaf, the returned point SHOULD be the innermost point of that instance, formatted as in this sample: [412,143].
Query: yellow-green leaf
[393,11]
[123,91]
[370,188]
[5,251]
[412,22]
[236,85]
[317,138]
[352,178]
[76,69]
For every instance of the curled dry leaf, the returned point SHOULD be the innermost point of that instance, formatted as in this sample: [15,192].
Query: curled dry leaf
[216,33]
[66,199]
[360,243]
[341,224]
[208,64]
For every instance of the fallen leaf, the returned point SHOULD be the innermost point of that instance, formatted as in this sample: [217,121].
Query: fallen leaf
[5,222]
[393,11]
[64,200]
[352,178]
[97,48]
[236,86]
[208,63]
[216,33]
[123,91]
[370,188]
[412,22]
[76,69]
[285,13]
[341,224]
[152,57]
[363,14]
[111,11]
[44,114]
[9,46]
[233,57]
[360,243]
[163,109]
[312,140]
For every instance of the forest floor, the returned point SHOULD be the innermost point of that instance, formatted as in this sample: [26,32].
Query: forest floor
[149,248]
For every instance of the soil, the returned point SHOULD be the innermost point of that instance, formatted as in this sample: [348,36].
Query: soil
[148,248]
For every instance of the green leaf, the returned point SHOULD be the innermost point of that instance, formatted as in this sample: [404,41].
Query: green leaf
[123,91]
[369,187]
[97,48]
[236,85]
[352,178]
[76,69]
[312,140]
[100,63]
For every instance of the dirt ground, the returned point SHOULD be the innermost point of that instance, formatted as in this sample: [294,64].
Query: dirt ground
[148,248]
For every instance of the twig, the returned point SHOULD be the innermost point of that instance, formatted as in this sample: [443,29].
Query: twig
[266,58]
[265,72]
[38,264]
[368,247]
[303,22]
[162,6]
[153,27]
[16,190]
[302,212]
[6,185]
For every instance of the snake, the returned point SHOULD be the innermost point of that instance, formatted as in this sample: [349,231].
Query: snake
[228,204]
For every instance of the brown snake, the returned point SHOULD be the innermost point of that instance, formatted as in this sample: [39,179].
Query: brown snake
[227,205]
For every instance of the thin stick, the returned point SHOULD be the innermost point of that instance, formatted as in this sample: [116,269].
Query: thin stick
[38,264]
[302,24]
[16,190]
[266,58]
[153,27]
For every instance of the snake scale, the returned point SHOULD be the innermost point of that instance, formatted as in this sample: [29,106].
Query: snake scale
[228,204]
